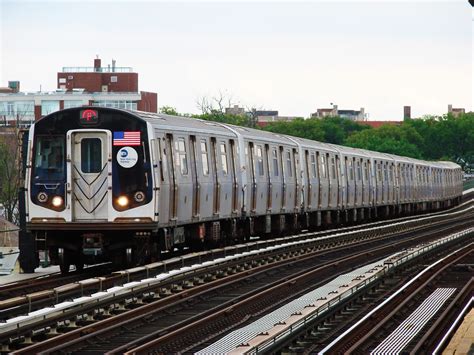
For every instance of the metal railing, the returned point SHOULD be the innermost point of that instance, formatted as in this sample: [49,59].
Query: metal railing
[97,70]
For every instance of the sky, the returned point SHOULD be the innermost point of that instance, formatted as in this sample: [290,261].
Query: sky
[289,56]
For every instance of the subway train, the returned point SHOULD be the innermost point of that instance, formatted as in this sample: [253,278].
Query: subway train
[106,184]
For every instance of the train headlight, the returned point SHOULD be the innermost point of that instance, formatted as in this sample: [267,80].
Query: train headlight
[139,196]
[42,197]
[57,201]
[122,201]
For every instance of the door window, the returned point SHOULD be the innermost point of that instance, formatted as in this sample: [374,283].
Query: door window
[91,155]
[204,160]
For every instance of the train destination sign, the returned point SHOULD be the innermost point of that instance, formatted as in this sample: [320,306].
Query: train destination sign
[88,117]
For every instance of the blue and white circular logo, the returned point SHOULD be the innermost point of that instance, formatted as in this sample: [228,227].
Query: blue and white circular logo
[127,157]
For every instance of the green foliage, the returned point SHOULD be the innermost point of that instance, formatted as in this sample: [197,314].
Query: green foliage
[447,137]
[400,140]
[168,110]
[217,116]
[329,129]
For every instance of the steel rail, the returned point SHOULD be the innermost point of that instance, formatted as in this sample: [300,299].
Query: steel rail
[370,324]
[80,332]
[170,335]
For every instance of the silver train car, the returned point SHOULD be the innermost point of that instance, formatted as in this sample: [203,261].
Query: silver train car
[109,184]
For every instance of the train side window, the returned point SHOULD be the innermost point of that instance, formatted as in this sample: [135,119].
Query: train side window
[260,160]
[275,161]
[323,166]
[351,170]
[204,157]
[224,166]
[359,170]
[180,148]
[333,168]
[314,165]
[160,160]
[91,155]
[288,163]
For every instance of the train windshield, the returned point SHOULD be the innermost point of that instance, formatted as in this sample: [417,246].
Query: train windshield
[49,161]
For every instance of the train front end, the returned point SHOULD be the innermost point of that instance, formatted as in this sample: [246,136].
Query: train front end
[89,185]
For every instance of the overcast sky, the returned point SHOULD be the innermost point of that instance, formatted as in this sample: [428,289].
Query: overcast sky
[293,57]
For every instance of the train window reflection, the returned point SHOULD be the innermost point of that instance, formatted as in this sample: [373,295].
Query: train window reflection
[204,160]
[49,158]
[91,155]
[180,147]
[224,158]
[260,161]
[275,162]
[288,163]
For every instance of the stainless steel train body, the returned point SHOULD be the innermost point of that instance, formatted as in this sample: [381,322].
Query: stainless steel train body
[112,184]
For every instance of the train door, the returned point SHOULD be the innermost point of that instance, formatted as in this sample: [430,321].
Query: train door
[365,182]
[216,180]
[235,183]
[392,182]
[90,153]
[290,181]
[276,190]
[173,201]
[224,173]
[283,179]
[261,188]
[314,182]
[193,150]
[269,178]
[298,180]
[341,173]
[204,171]
[309,182]
[358,182]
[323,180]
[162,178]
[333,182]
[183,172]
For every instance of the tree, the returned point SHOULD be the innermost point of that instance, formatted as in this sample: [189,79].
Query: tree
[328,129]
[216,104]
[168,110]
[400,140]
[9,176]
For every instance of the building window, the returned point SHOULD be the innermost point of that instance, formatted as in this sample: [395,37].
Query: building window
[49,106]
[113,79]
[62,80]
[73,103]
[124,104]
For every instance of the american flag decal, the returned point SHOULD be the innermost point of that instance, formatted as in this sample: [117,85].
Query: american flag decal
[126,138]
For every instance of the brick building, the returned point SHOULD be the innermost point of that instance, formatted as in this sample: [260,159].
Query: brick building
[109,86]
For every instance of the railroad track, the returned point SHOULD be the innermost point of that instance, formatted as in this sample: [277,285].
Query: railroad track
[34,294]
[223,294]
[416,319]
